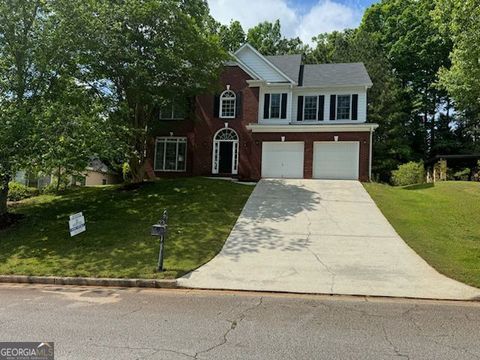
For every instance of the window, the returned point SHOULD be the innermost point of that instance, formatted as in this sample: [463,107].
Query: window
[310,108]
[170,154]
[343,107]
[173,110]
[227,104]
[275,106]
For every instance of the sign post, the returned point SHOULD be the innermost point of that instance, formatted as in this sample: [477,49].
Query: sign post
[77,224]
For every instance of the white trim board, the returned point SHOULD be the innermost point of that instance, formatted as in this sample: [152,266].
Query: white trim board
[256,128]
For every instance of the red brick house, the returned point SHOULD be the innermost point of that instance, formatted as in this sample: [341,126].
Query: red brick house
[275,118]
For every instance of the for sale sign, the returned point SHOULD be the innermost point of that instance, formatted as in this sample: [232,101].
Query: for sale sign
[77,224]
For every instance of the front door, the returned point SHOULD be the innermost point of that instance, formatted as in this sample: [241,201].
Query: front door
[225,157]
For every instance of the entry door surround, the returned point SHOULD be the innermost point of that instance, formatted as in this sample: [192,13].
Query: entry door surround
[225,135]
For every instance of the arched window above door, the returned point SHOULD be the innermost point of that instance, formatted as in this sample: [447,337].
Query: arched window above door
[226,134]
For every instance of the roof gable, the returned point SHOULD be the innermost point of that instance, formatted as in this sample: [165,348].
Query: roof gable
[260,65]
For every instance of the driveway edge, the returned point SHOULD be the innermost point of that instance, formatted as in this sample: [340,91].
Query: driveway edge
[88,281]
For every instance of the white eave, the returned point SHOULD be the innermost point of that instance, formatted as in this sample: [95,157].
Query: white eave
[294,128]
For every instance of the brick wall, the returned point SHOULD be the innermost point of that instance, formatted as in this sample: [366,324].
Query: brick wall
[202,125]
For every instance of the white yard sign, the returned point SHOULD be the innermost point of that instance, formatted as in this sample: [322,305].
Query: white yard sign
[77,224]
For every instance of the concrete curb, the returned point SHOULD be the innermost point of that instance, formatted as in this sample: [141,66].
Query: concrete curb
[87,281]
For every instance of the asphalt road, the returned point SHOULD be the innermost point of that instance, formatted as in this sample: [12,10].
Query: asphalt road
[101,323]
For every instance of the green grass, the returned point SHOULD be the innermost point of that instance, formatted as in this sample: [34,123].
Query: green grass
[441,223]
[117,242]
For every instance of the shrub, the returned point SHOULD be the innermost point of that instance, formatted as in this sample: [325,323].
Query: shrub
[19,191]
[462,174]
[408,174]
[126,172]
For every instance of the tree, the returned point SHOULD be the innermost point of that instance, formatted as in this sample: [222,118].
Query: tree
[231,37]
[139,53]
[31,59]
[409,38]
[267,38]
[74,128]
[337,46]
[458,20]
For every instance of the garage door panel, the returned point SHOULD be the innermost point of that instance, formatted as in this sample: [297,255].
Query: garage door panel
[336,160]
[282,159]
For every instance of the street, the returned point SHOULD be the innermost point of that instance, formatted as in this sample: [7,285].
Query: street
[103,323]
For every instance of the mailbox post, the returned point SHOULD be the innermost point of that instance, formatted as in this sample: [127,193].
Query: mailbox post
[160,230]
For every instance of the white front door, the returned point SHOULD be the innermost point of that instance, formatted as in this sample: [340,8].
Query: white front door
[336,160]
[282,159]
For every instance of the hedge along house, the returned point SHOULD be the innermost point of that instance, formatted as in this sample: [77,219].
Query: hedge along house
[274,118]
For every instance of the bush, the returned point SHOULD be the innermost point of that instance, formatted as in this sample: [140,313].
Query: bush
[462,175]
[408,174]
[19,191]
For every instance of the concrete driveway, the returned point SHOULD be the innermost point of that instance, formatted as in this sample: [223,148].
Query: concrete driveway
[320,236]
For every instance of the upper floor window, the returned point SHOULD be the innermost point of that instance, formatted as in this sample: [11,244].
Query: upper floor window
[310,108]
[173,110]
[343,107]
[227,104]
[275,106]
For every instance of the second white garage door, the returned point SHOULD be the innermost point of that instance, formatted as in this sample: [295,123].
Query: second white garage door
[336,160]
[282,159]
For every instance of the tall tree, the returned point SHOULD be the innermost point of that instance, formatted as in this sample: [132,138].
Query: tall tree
[267,38]
[32,58]
[459,21]
[232,36]
[409,38]
[141,52]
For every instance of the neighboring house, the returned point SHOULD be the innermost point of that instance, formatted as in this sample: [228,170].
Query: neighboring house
[275,118]
[97,173]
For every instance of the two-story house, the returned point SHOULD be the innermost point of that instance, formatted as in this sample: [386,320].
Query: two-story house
[275,118]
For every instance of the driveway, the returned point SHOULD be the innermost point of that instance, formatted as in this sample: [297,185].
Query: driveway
[320,236]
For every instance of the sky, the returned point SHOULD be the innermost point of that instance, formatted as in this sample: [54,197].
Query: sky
[302,18]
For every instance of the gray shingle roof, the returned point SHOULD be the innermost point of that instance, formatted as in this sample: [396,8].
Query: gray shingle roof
[288,64]
[321,74]
[335,74]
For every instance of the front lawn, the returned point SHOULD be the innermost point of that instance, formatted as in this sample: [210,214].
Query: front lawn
[441,223]
[117,242]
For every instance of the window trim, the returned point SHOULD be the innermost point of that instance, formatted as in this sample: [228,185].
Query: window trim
[349,109]
[279,106]
[221,116]
[316,107]
[166,139]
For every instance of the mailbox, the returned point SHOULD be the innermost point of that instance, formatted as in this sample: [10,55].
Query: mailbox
[159,230]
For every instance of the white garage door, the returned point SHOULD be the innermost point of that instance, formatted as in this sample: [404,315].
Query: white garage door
[282,159]
[336,160]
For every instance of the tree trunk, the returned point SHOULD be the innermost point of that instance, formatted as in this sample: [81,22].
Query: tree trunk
[3,195]
[137,160]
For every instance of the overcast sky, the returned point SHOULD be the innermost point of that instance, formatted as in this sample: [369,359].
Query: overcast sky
[303,18]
